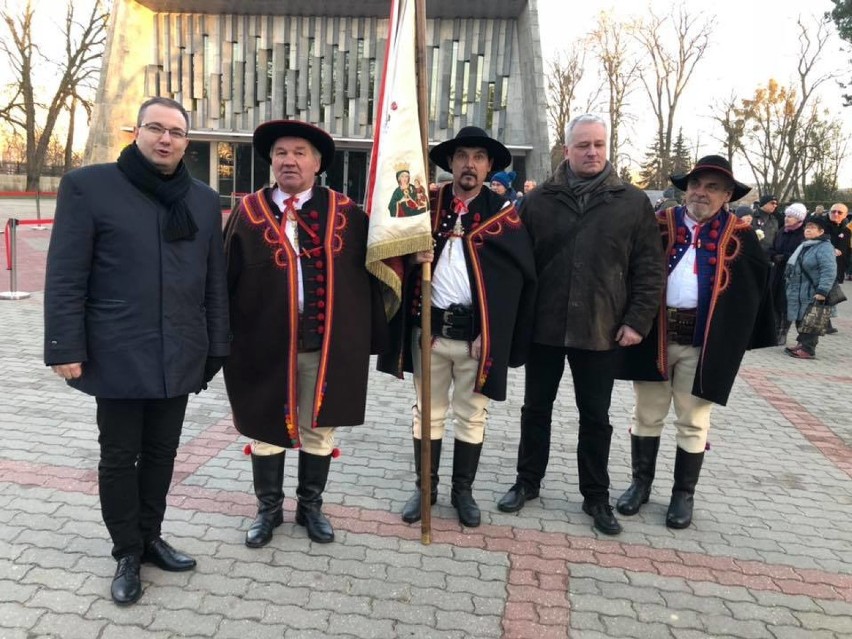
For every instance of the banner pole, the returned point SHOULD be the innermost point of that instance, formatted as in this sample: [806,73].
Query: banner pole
[426,291]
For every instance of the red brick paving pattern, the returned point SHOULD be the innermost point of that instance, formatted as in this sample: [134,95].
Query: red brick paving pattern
[537,605]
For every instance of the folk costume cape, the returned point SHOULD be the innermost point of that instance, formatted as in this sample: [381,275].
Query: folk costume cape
[501,271]
[343,315]
[734,305]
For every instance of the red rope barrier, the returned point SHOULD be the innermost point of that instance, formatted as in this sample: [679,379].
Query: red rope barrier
[34,222]
[7,236]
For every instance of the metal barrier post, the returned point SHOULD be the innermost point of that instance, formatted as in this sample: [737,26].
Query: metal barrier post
[14,293]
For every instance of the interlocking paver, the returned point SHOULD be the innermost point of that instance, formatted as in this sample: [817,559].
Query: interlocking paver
[752,564]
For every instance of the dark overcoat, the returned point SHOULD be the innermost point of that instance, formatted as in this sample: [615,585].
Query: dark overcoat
[740,315]
[598,260]
[502,279]
[343,315]
[142,314]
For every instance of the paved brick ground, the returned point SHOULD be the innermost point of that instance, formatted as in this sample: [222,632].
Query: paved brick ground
[769,553]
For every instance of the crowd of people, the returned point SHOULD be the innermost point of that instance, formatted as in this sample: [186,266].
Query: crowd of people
[147,301]
[808,252]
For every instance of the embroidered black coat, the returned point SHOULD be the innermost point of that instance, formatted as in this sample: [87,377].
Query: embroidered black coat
[739,318]
[498,253]
[343,315]
[140,313]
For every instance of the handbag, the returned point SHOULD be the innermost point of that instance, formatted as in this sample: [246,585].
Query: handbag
[816,319]
[835,295]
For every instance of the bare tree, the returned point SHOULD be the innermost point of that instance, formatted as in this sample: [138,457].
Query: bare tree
[784,125]
[564,73]
[673,45]
[76,74]
[726,115]
[620,70]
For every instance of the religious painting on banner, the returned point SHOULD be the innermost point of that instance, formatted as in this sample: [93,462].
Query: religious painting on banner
[397,199]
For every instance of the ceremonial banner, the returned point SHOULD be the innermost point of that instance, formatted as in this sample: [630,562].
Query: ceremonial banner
[397,187]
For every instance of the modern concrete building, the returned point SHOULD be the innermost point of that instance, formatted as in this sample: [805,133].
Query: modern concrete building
[234,65]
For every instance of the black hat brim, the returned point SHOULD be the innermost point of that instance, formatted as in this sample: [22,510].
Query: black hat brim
[499,154]
[267,133]
[681,181]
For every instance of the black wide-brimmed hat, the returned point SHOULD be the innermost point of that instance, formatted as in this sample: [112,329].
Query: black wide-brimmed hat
[471,136]
[820,221]
[267,133]
[712,163]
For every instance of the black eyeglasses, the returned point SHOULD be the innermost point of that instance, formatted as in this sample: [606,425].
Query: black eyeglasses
[158,130]
[837,211]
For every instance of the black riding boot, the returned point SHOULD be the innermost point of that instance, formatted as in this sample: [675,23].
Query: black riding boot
[268,478]
[643,454]
[313,473]
[686,471]
[465,463]
[411,510]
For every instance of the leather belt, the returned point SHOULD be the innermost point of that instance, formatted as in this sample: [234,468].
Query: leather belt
[681,325]
[456,322]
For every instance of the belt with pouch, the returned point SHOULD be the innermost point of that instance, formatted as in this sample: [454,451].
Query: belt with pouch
[681,325]
[456,322]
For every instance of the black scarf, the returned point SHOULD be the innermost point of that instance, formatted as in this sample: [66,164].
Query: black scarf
[583,188]
[169,190]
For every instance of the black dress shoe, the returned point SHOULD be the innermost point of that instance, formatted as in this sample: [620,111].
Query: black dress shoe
[162,555]
[126,586]
[604,520]
[515,499]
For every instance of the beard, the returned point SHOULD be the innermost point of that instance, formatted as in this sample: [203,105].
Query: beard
[699,211]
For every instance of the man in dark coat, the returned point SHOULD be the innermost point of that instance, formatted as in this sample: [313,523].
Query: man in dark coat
[136,314]
[305,316]
[716,304]
[598,260]
[483,290]
[765,221]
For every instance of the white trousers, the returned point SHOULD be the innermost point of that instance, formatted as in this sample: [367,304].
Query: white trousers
[653,400]
[453,366]
[317,441]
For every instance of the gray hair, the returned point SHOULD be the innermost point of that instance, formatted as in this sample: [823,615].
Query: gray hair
[586,118]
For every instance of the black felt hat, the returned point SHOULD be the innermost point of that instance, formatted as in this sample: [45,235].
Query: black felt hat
[820,221]
[712,163]
[267,133]
[471,136]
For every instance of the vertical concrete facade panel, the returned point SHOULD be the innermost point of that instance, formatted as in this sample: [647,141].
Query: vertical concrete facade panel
[121,89]
[234,71]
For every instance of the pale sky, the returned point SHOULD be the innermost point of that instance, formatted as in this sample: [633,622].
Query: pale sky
[754,40]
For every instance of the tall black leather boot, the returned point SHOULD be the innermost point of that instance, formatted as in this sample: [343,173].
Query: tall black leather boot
[686,471]
[465,464]
[268,478]
[313,473]
[643,455]
[411,510]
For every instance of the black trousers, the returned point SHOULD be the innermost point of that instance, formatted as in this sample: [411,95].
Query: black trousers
[138,440]
[808,341]
[594,374]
